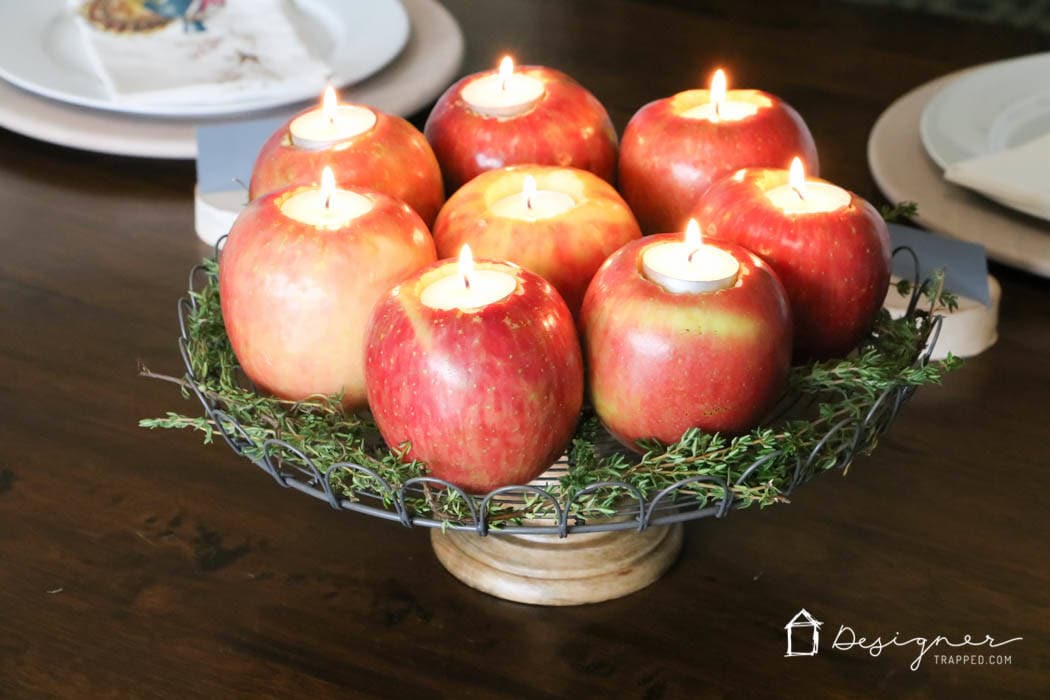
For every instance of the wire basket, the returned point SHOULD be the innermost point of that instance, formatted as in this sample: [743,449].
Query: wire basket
[560,514]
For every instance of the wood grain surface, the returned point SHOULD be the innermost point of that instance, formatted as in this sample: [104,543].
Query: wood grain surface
[138,564]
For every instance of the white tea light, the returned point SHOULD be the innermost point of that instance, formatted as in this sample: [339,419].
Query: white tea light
[468,288]
[719,109]
[327,206]
[330,124]
[690,266]
[800,196]
[533,204]
[504,93]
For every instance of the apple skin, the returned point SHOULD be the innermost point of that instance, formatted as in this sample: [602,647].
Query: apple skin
[296,299]
[567,127]
[566,250]
[667,161]
[393,157]
[835,265]
[487,397]
[662,363]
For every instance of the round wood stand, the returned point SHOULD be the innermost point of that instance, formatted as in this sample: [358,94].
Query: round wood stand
[548,570]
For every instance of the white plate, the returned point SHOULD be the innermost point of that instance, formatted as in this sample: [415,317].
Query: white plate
[903,171]
[989,109]
[428,64]
[41,51]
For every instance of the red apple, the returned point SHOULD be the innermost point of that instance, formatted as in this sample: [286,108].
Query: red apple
[563,246]
[486,396]
[296,298]
[392,157]
[667,160]
[568,126]
[660,363]
[835,264]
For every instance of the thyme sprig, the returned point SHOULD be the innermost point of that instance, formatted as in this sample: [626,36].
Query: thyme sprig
[832,410]
[899,211]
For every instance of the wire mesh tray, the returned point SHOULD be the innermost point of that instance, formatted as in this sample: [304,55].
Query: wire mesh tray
[369,493]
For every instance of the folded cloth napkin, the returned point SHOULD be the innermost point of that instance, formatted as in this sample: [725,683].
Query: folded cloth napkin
[196,52]
[1019,175]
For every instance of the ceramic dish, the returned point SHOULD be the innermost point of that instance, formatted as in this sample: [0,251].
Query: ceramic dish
[41,52]
[428,64]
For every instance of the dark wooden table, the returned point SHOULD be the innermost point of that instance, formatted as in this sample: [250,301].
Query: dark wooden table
[142,564]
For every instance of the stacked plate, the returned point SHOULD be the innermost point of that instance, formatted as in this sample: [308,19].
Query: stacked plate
[972,149]
[989,111]
[396,55]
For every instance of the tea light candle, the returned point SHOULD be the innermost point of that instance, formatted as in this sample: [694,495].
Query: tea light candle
[327,206]
[503,93]
[533,204]
[332,123]
[743,103]
[690,266]
[469,288]
[801,197]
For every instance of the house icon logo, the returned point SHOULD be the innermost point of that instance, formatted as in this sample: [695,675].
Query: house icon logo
[808,629]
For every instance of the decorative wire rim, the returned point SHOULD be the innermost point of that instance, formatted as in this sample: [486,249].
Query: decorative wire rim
[665,508]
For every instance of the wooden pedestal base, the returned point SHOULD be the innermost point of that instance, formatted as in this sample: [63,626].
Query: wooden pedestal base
[547,570]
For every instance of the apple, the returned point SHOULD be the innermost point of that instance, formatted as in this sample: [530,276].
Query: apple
[566,126]
[660,363]
[392,157]
[296,297]
[486,396]
[834,261]
[668,159]
[563,231]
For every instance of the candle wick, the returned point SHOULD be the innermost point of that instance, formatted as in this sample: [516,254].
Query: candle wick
[328,202]
[798,191]
[503,85]
[718,110]
[466,282]
[690,258]
[528,203]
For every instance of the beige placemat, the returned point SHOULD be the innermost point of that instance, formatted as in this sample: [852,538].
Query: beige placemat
[903,171]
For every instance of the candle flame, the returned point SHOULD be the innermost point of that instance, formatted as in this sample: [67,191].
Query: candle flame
[528,191]
[797,177]
[466,265]
[329,104]
[693,240]
[327,186]
[718,90]
[506,69]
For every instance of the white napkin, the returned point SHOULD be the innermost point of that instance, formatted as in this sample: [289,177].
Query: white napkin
[1019,175]
[192,52]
